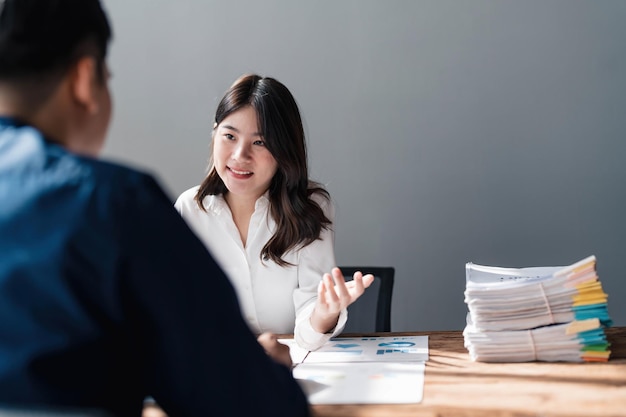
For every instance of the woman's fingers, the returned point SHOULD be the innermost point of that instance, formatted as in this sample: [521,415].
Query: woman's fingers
[358,287]
[335,294]
[331,294]
[367,280]
[359,283]
[340,288]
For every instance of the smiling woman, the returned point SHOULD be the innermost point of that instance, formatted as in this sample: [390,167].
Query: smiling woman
[243,163]
[267,224]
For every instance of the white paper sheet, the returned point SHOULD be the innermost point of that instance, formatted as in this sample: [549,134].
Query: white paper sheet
[361,382]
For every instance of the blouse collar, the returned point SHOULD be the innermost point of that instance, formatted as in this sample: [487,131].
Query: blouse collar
[217,203]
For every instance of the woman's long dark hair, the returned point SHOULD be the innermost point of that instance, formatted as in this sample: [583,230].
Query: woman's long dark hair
[299,219]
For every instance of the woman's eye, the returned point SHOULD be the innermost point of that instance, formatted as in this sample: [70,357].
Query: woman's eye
[229,136]
[259,142]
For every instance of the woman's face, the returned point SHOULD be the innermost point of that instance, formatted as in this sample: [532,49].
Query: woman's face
[240,156]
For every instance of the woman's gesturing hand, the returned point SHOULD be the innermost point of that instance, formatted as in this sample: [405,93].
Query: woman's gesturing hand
[334,294]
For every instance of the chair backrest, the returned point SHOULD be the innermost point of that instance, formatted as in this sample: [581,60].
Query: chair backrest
[374,306]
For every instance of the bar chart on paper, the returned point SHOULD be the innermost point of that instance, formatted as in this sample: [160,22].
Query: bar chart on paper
[372,349]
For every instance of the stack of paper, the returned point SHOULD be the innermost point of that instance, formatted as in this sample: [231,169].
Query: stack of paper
[508,306]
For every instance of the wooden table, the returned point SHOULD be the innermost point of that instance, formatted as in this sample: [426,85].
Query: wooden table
[456,386]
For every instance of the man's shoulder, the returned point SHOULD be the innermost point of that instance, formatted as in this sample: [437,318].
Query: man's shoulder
[26,154]
[115,192]
[106,171]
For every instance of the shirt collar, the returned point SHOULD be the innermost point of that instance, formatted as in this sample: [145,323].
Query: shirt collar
[263,201]
[216,203]
[11,121]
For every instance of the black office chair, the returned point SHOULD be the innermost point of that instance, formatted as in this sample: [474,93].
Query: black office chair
[374,306]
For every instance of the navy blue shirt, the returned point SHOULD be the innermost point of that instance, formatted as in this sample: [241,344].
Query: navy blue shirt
[107,297]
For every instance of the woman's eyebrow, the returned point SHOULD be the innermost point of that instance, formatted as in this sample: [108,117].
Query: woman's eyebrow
[233,128]
[229,127]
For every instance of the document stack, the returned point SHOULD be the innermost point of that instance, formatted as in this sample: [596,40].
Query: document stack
[536,314]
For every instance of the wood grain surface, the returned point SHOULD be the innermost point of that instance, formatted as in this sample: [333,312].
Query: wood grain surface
[457,387]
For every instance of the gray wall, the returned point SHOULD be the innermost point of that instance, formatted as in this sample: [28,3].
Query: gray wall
[446,131]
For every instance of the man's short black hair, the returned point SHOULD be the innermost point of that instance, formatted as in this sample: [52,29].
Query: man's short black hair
[41,38]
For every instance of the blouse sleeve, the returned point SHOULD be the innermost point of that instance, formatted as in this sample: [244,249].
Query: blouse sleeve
[315,259]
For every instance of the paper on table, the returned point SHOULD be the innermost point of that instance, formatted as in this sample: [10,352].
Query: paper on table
[577,341]
[372,349]
[361,382]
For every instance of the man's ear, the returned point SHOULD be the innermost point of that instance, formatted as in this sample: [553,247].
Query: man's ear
[84,84]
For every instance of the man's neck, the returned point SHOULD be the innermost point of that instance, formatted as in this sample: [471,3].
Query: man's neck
[44,116]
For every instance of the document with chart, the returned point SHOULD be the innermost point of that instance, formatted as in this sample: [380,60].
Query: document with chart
[365,370]
[372,349]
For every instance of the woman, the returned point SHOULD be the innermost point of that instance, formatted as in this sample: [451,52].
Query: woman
[265,222]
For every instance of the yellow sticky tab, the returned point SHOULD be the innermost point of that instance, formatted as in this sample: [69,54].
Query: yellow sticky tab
[588,286]
[578,266]
[578,326]
[588,302]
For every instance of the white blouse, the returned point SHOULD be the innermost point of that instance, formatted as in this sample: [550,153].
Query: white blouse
[272,297]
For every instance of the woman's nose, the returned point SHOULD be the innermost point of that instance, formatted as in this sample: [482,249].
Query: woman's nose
[242,151]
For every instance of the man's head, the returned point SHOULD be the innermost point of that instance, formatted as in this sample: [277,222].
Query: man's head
[54,52]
